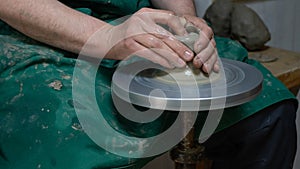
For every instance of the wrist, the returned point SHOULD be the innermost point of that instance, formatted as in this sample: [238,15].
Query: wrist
[99,43]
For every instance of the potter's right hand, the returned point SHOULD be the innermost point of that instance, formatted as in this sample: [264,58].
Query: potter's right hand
[205,47]
[142,35]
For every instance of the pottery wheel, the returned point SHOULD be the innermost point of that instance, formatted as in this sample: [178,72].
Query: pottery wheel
[182,89]
[148,85]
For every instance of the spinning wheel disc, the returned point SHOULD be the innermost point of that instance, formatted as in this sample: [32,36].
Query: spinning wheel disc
[242,82]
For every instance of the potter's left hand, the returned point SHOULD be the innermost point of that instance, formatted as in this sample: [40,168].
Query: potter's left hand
[205,46]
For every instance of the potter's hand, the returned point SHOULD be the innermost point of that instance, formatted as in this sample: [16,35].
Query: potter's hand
[142,35]
[205,46]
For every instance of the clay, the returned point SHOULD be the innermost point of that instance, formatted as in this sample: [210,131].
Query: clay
[238,22]
[264,58]
[193,34]
[56,85]
[248,28]
[188,40]
[187,75]
[218,14]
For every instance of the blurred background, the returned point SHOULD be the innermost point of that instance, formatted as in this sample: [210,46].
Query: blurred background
[280,16]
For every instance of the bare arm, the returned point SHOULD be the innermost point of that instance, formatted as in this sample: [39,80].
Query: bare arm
[50,22]
[180,7]
[53,23]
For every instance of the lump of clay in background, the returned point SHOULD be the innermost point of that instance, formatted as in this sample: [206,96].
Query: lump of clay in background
[218,14]
[248,28]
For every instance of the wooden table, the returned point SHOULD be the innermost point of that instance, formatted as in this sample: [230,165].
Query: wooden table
[286,68]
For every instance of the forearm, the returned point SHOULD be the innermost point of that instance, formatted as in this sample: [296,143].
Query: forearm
[180,7]
[50,22]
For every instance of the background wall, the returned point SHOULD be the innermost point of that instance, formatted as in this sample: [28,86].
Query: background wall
[280,16]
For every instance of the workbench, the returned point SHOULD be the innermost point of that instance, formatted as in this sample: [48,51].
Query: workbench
[286,67]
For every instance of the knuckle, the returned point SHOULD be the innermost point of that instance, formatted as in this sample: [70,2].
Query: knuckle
[136,19]
[142,10]
[129,43]
[213,43]
[209,31]
[201,20]
[171,13]
[155,43]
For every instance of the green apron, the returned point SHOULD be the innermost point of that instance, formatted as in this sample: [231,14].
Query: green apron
[38,123]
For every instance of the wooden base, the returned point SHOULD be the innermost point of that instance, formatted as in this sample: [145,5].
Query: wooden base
[189,154]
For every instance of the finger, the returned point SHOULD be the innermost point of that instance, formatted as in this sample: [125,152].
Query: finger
[151,10]
[164,17]
[154,57]
[203,42]
[160,48]
[182,50]
[179,48]
[142,23]
[216,66]
[213,42]
[202,57]
[195,21]
[206,33]
[201,24]
[146,53]
[210,63]
[176,25]
[175,61]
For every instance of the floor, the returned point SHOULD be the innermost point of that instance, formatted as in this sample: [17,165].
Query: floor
[162,162]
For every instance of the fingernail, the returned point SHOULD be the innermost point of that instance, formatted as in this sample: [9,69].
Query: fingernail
[204,68]
[207,67]
[188,55]
[181,63]
[216,68]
